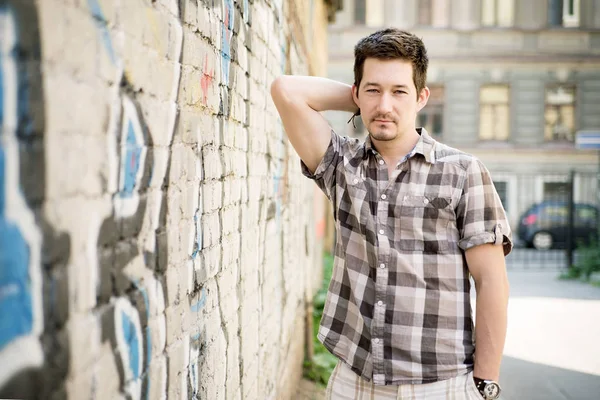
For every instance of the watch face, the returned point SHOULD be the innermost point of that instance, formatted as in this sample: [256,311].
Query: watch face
[491,390]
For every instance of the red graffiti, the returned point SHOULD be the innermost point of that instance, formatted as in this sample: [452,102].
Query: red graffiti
[133,160]
[206,80]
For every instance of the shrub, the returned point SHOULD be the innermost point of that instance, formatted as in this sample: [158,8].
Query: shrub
[323,362]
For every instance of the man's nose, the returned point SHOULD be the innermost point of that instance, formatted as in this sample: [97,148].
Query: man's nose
[385,103]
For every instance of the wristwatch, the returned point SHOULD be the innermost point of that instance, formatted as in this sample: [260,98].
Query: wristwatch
[490,390]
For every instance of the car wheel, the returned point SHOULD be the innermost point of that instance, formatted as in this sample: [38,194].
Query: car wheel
[542,241]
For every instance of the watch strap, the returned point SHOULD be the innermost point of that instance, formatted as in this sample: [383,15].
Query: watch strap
[480,385]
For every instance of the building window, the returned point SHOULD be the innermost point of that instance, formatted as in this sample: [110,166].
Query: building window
[559,113]
[431,117]
[375,13]
[433,13]
[498,13]
[494,112]
[424,16]
[360,12]
[563,13]
[571,13]
[556,191]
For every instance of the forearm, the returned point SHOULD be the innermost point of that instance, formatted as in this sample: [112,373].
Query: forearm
[320,94]
[490,328]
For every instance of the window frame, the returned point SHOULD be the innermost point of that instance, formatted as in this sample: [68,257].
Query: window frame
[437,104]
[495,138]
[496,12]
[360,5]
[571,20]
[556,85]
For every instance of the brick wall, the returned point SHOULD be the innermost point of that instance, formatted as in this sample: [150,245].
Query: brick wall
[156,236]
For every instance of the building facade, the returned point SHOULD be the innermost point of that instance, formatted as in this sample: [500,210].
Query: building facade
[511,82]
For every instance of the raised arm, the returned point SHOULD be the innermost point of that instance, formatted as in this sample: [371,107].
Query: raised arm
[299,101]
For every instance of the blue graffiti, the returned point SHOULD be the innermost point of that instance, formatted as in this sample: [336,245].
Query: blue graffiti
[148,333]
[101,23]
[198,242]
[131,163]
[200,303]
[226,31]
[16,309]
[246,11]
[16,304]
[133,342]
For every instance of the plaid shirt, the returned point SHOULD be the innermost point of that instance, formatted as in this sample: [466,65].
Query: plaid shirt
[398,309]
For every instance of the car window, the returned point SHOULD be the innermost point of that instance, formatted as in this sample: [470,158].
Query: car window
[556,211]
[586,213]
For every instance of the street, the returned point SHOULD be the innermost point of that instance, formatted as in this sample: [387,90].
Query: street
[552,350]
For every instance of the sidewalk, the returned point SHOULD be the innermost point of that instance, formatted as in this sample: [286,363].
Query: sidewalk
[308,390]
[552,346]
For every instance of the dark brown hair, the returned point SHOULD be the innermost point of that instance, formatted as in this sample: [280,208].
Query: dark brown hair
[389,44]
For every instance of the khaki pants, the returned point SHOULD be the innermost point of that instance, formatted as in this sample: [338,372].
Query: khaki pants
[346,385]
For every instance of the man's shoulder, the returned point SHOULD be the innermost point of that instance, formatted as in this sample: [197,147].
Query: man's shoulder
[349,146]
[451,155]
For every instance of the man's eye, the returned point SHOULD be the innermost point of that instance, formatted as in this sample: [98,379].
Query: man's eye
[400,91]
[371,90]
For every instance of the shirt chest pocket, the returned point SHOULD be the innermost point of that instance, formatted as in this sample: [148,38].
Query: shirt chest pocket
[423,224]
[352,207]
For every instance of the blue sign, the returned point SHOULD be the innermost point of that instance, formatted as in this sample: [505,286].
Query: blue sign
[588,140]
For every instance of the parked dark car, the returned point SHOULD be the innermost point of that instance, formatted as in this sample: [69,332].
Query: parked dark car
[545,225]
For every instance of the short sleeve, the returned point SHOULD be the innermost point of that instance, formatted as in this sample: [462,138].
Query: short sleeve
[325,173]
[480,215]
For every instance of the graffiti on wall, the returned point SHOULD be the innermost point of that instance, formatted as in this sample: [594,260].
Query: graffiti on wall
[206,80]
[20,239]
[129,342]
[33,256]
[227,26]
[137,228]
[132,150]
[226,35]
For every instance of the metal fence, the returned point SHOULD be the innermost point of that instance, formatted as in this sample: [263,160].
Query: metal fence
[552,217]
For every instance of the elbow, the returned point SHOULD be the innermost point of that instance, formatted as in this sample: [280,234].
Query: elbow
[279,88]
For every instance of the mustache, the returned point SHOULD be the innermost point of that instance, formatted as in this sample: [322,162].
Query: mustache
[386,117]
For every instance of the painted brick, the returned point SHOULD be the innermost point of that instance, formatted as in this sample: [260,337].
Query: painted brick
[211,229]
[175,223]
[212,163]
[212,195]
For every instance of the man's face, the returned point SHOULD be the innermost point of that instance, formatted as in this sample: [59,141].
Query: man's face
[387,98]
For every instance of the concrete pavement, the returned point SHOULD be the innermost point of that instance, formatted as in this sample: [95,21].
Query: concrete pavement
[553,341]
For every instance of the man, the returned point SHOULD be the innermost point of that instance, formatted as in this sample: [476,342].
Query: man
[414,219]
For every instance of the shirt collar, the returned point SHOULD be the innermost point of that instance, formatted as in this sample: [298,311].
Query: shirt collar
[425,146]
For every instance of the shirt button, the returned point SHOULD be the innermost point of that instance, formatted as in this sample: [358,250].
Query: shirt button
[381,265]
[380,303]
[381,162]
[383,196]
[376,340]
[425,201]
[355,181]
[381,231]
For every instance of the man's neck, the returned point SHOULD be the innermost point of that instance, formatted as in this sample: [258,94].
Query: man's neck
[393,151]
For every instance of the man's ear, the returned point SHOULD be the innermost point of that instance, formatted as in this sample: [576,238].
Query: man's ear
[355,94]
[423,97]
